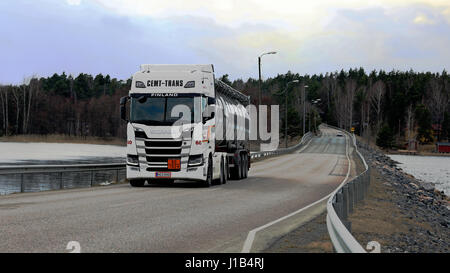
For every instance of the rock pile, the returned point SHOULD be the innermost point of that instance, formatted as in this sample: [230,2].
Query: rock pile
[419,201]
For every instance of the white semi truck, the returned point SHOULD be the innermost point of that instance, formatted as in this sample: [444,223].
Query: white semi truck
[183,124]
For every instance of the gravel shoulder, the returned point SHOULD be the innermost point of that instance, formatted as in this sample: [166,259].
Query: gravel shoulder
[312,237]
[400,212]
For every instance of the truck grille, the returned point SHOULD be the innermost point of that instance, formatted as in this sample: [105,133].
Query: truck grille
[159,151]
[163,143]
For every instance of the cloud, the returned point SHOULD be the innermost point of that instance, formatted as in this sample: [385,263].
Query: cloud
[423,19]
[115,37]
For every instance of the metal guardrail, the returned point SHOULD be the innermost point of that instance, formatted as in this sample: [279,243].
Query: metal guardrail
[28,178]
[302,142]
[342,202]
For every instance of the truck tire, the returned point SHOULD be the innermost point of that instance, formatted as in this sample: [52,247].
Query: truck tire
[245,166]
[208,182]
[242,167]
[236,172]
[219,180]
[225,171]
[137,183]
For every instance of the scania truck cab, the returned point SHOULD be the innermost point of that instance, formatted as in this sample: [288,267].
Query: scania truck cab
[183,124]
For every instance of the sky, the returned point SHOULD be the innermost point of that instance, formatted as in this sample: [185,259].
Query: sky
[310,37]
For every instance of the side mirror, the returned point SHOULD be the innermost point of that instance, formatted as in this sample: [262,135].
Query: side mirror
[211,101]
[123,108]
[208,113]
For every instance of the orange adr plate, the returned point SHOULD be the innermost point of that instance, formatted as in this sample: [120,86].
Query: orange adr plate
[173,164]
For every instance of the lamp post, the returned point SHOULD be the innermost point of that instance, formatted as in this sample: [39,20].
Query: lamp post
[314,102]
[304,110]
[285,112]
[259,68]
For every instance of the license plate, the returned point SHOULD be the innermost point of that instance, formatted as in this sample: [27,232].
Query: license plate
[173,164]
[163,175]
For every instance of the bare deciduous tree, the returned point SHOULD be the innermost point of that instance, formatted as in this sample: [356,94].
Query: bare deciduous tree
[437,101]
[377,94]
[4,101]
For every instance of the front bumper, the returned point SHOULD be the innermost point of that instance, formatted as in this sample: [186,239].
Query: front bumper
[191,173]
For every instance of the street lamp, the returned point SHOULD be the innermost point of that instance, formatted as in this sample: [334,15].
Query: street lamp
[314,102]
[285,111]
[304,110]
[259,68]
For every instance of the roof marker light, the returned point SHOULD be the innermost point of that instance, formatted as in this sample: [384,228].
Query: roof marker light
[140,84]
[190,84]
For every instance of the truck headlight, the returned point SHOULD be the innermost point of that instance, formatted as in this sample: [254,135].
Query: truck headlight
[195,160]
[133,160]
[187,134]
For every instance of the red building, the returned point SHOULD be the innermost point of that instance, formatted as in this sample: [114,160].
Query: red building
[443,147]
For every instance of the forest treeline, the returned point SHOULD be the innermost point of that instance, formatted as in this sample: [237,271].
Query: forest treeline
[61,104]
[392,107]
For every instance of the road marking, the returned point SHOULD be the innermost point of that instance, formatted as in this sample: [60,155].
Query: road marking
[326,147]
[302,149]
[251,235]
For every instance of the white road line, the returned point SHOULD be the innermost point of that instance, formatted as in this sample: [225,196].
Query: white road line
[326,146]
[302,149]
[251,235]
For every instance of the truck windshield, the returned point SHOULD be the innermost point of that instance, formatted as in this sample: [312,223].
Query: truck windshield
[158,110]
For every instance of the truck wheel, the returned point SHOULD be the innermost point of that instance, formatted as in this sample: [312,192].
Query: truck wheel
[219,180]
[245,166]
[137,183]
[242,167]
[236,172]
[222,173]
[225,172]
[209,173]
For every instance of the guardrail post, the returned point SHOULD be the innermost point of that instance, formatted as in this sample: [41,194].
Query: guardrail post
[366,181]
[92,177]
[336,207]
[345,202]
[361,189]
[117,176]
[339,202]
[22,186]
[351,196]
[61,183]
[357,190]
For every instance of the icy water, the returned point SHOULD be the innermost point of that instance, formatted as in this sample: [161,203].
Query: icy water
[18,153]
[15,153]
[434,169]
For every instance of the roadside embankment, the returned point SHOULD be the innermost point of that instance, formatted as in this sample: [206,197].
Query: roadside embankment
[400,212]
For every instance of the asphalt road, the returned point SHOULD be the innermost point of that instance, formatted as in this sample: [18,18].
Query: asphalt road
[179,218]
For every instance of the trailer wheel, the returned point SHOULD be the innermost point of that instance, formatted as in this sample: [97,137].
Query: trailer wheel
[137,183]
